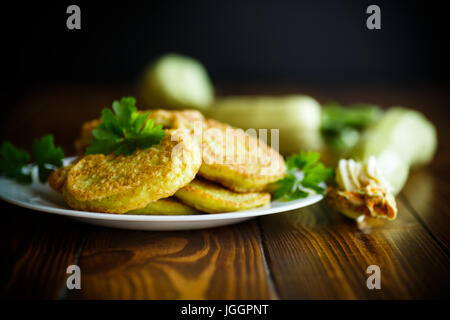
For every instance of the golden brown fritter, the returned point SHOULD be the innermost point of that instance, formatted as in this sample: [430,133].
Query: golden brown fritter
[213,198]
[86,135]
[57,178]
[118,184]
[238,160]
[230,156]
[169,206]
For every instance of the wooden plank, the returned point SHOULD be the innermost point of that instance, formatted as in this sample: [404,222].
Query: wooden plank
[222,263]
[36,249]
[428,195]
[312,253]
[316,253]
[428,189]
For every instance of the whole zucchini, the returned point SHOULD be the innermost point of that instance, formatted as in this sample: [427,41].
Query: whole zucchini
[401,139]
[296,116]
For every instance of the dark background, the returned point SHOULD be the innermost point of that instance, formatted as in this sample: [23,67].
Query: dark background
[313,42]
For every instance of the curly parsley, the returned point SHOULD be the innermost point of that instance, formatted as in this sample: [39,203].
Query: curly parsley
[48,157]
[304,171]
[124,130]
[14,162]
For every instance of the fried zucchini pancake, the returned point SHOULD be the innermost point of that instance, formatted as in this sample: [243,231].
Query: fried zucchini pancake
[57,178]
[237,160]
[169,206]
[118,184]
[86,135]
[231,157]
[168,119]
[213,198]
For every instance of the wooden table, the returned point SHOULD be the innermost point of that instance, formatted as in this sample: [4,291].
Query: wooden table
[311,253]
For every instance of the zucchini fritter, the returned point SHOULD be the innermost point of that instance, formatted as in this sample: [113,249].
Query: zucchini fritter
[238,160]
[57,178]
[169,206]
[212,198]
[86,135]
[231,157]
[118,184]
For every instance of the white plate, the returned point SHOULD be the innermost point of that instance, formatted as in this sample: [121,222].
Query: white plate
[41,197]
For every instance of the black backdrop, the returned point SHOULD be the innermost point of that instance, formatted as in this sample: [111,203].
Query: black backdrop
[319,42]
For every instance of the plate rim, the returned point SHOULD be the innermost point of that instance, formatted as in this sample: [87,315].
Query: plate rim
[290,205]
[254,212]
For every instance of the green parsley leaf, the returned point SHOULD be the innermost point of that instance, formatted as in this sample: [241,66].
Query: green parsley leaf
[124,130]
[302,160]
[341,126]
[13,163]
[304,171]
[48,157]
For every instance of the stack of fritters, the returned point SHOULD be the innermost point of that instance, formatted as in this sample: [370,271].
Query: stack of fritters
[201,164]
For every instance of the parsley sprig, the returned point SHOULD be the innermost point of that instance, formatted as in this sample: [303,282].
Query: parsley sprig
[14,162]
[304,171]
[124,130]
[341,126]
[48,157]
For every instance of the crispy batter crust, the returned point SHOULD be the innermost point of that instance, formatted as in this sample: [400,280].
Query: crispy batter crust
[237,160]
[169,206]
[57,178]
[212,198]
[117,184]
[86,135]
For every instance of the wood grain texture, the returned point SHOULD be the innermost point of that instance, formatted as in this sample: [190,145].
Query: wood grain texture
[316,253]
[428,197]
[310,253]
[36,249]
[223,263]
[428,190]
